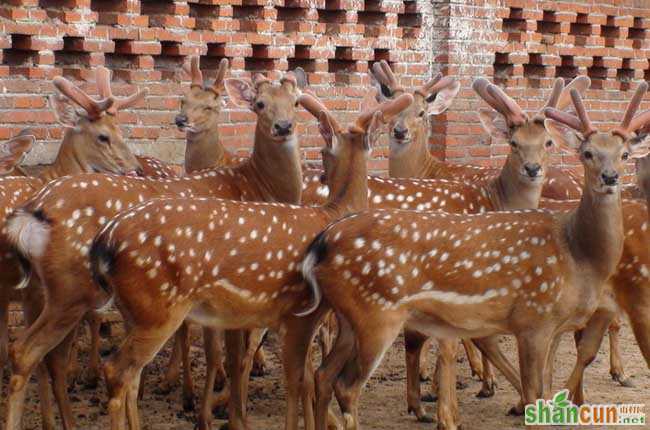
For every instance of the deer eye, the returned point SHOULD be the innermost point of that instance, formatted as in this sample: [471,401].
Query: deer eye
[296,104]
[548,143]
[625,155]
[513,144]
[259,105]
[103,138]
[588,155]
[421,114]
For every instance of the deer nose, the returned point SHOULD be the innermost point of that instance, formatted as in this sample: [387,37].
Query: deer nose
[610,178]
[532,169]
[399,132]
[180,120]
[283,128]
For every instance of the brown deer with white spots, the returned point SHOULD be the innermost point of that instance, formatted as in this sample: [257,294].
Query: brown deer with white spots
[535,274]
[408,135]
[54,230]
[231,256]
[92,143]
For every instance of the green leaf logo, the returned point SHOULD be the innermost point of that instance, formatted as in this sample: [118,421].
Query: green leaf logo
[560,400]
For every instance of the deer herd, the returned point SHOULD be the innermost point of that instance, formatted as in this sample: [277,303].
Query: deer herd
[241,245]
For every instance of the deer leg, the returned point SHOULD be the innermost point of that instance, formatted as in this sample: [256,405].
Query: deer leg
[489,346]
[447,397]
[489,380]
[91,377]
[533,350]
[212,357]
[57,364]
[588,341]
[371,349]
[259,362]
[474,358]
[549,369]
[236,349]
[4,329]
[122,371]
[640,322]
[332,365]
[616,363]
[414,343]
[295,350]
[49,329]
[188,386]
[173,371]
[132,396]
[425,372]
[45,398]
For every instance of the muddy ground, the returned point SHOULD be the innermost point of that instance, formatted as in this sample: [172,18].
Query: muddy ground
[383,401]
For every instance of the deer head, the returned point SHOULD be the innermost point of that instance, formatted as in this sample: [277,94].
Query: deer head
[93,141]
[602,153]
[413,125]
[13,151]
[529,141]
[274,104]
[201,106]
[346,150]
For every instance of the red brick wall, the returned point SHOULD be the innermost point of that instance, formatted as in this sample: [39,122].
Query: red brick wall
[523,44]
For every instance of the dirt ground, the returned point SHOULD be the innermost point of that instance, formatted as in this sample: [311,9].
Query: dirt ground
[383,401]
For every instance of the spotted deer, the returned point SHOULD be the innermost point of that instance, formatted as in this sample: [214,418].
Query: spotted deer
[409,134]
[92,142]
[236,255]
[536,273]
[65,227]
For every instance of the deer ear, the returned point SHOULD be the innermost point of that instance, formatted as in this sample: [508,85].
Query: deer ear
[301,78]
[14,150]
[640,146]
[443,99]
[64,110]
[494,124]
[241,92]
[565,138]
[326,129]
[374,129]
[380,92]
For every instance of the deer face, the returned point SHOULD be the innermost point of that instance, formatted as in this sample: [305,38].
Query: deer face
[411,125]
[529,144]
[97,146]
[200,109]
[274,104]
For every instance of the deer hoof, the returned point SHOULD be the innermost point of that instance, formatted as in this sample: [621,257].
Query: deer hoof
[516,411]
[258,370]
[624,381]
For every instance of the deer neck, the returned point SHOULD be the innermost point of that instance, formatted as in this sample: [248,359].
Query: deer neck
[65,163]
[595,232]
[415,161]
[204,150]
[350,194]
[509,191]
[276,172]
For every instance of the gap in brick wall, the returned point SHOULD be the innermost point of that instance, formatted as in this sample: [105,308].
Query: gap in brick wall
[58,4]
[567,69]
[580,29]
[503,69]
[18,57]
[382,54]
[307,64]
[646,72]
[410,21]
[515,22]
[291,13]
[252,64]
[248,12]
[210,61]
[331,16]
[610,32]
[120,61]
[168,65]
[625,73]
[204,14]
[548,24]
[597,72]
[637,33]
[107,5]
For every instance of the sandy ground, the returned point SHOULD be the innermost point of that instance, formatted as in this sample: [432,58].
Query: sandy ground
[383,401]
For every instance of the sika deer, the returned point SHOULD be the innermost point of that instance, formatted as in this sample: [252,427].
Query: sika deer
[551,269]
[240,265]
[92,142]
[54,232]
[409,133]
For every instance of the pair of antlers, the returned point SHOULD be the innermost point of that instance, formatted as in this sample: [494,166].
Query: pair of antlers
[512,112]
[386,109]
[581,123]
[382,72]
[108,102]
